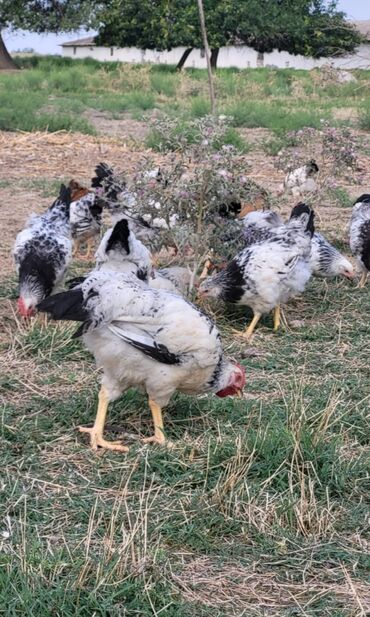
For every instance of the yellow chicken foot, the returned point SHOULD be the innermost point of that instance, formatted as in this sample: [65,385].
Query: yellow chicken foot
[158,436]
[249,331]
[96,432]
[362,280]
[277,317]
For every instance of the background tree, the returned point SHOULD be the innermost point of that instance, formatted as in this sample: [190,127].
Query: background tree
[42,16]
[308,27]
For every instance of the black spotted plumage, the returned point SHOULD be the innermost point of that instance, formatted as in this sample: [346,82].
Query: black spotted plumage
[360,232]
[42,252]
[104,179]
[270,270]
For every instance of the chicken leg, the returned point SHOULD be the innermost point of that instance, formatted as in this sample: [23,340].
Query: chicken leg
[96,432]
[89,248]
[249,331]
[362,280]
[277,313]
[158,436]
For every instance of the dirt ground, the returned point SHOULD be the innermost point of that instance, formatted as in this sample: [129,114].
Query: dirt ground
[26,158]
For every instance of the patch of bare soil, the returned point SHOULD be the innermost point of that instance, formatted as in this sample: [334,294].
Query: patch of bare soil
[345,113]
[63,155]
[126,129]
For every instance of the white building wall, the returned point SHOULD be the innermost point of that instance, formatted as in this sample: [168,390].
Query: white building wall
[239,57]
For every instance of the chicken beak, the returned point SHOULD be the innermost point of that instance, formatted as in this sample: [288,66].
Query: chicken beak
[349,275]
[239,393]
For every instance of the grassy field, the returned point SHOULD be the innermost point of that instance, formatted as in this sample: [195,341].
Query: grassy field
[61,92]
[261,506]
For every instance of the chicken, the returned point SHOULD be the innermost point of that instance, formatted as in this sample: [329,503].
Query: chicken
[148,339]
[177,279]
[301,181]
[122,202]
[327,261]
[42,252]
[359,237]
[85,216]
[121,251]
[257,225]
[269,272]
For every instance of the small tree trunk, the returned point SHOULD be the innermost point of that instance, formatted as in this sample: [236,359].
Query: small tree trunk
[183,58]
[214,56]
[206,49]
[6,61]
[260,59]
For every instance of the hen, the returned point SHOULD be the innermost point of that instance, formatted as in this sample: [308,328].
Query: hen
[121,251]
[85,216]
[42,252]
[148,339]
[269,272]
[326,260]
[301,180]
[359,237]
[257,225]
[122,202]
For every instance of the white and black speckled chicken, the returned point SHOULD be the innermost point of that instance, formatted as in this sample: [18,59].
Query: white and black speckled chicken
[326,260]
[257,225]
[42,252]
[269,272]
[121,251]
[359,235]
[123,203]
[148,339]
[85,215]
[301,181]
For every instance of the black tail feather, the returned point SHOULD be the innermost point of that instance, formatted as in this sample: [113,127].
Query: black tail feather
[65,195]
[119,237]
[302,208]
[364,198]
[68,306]
[77,280]
[102,172]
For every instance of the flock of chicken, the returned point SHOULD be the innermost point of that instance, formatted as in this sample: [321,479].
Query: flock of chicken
[136,319]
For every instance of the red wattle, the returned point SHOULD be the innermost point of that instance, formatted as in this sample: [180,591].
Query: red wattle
[23,310]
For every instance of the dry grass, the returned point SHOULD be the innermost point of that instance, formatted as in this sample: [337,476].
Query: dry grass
[260,506]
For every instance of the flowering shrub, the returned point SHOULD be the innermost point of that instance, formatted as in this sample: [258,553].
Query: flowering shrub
[170,134]
[335,149]
[193,201]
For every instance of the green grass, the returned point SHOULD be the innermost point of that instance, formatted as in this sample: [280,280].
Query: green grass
[267,494]
[365,119]
[280,100]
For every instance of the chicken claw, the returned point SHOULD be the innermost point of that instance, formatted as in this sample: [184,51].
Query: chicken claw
[158,436]
[362,282]
[96,440]
[249,331]
[96,432]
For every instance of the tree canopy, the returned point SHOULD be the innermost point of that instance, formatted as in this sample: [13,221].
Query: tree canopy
[308,27]
[43,16]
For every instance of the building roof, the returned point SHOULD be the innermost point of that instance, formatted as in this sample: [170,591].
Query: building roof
[86,42]
[363,26]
